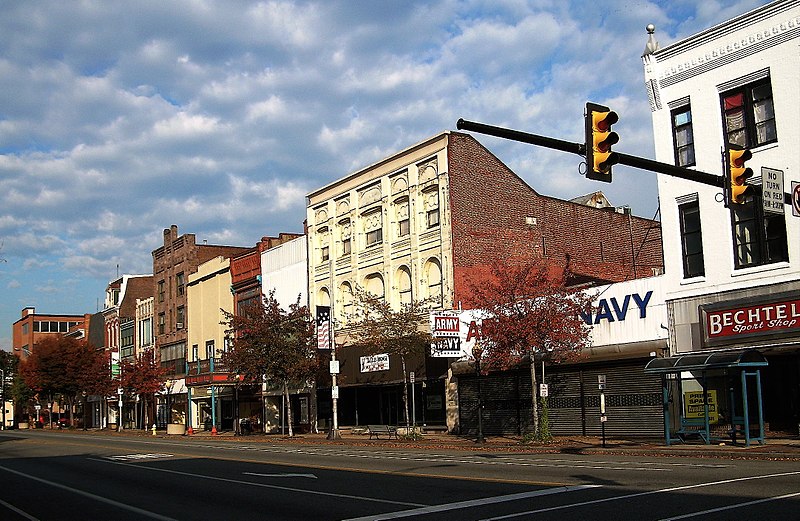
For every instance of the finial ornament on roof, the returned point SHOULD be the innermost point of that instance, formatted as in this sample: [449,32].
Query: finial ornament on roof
[652,44]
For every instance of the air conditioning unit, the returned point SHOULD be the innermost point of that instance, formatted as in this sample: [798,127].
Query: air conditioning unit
[179,325]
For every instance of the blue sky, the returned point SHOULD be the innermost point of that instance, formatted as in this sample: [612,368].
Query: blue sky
[118,119]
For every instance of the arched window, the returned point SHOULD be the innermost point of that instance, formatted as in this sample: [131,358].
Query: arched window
[345,299]
[433,281]
[374,285]
[404,286]
[323,297]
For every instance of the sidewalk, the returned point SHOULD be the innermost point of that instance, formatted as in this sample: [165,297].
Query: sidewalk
[778,448]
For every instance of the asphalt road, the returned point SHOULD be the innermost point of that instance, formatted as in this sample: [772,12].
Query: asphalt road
[66,475]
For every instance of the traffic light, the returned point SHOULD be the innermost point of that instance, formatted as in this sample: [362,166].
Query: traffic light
[599,139]
[736,184]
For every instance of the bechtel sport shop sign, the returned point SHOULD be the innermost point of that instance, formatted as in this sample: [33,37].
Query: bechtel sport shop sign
[731,323]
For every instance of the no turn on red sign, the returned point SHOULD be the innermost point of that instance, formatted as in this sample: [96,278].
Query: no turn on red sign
[796,198]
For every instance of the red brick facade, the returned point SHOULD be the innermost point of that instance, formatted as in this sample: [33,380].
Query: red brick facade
[496,216]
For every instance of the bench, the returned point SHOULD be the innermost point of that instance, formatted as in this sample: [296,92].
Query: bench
[692,428]
[377,430]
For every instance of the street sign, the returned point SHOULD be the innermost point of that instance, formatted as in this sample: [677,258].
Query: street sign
[334,365]
[544,390]
[796,198]
[772,190]
[601,381]
[411,376]
[335,392]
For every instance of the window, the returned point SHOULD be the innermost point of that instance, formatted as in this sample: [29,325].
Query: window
[403,228]
[346,247]
[162,323]
[161,291]
[757,238]
[749,115]
[691,240]
[373,227]
[146,332]
[346,233]
[210,349]
[433,281]
[404,286]
[683,136]
[325,253]
[180,317]
[179,283]
[433,218]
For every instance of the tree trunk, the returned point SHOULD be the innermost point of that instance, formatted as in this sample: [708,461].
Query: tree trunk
[288,407]
[405,390]
[534,396]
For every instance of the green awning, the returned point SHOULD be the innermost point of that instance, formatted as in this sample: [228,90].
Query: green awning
[697,361]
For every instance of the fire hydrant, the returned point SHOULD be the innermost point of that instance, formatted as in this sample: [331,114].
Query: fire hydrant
[154,429]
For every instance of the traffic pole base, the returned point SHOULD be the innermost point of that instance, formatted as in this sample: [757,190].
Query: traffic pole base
[189,431]
[214,430]
[334,434]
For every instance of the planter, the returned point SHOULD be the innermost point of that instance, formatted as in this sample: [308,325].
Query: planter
[176,428]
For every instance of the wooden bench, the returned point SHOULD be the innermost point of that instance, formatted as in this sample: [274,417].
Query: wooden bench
[377,430]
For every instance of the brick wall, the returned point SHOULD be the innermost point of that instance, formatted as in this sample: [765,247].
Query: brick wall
[489,208]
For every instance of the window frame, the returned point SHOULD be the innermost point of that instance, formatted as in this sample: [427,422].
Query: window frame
[676,128]
[750,222]
[685,209]
[748,106]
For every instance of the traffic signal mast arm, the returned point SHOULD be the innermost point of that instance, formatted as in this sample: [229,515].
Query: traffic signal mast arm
[580,149]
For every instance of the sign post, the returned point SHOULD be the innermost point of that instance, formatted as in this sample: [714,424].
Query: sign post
[601,384]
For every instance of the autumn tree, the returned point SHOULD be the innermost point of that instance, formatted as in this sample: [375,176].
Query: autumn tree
[380,328]
[270,342]
[142,376]
[533,313]
[66,366]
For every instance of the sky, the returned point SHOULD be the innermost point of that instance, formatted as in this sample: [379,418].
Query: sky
[119,118]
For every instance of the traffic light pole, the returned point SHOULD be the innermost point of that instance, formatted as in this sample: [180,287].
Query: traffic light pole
[580,149]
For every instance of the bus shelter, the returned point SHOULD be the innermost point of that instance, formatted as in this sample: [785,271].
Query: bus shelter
[728,398]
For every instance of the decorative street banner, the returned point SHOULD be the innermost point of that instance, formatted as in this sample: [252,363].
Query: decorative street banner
[323,327]
[732,322]
[373,363]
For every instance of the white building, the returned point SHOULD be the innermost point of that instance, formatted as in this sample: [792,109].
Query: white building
[732,275]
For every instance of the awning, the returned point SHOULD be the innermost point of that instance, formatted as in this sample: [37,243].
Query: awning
[705,361]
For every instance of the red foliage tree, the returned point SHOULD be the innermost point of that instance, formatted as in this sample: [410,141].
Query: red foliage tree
[66,366]
[142,377]
[533,313]
[273,343]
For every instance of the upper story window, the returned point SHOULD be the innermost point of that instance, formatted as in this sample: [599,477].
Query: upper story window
[161,290]
[402,215]
[758,238]
[325,253]
[179,283]
[162,323]
[749,114]
[691,240]
[180,317]
[346,236]
[431,202]
[683,136]
[373,227]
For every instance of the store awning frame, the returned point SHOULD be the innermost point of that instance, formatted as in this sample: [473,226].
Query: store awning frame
[742,358]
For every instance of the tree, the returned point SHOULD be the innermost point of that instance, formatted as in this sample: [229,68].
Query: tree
[66,366]
[273,343]
[533,312]
[8,371]
[142,376]
[379,328]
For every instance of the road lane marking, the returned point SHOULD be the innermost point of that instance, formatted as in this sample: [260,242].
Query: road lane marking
[640,494]
[18,511]
[471,503]
[262,485]
[731,507]
[281,475]
[131,508]
[135,457]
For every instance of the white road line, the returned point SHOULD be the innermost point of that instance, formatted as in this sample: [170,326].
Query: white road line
[731,507]
[18,511]
[131,508]
[471,503]
[283,475]
[640,494]
[262,485]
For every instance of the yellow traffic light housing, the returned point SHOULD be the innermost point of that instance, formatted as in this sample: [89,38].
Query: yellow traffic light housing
[737,174]
[599,140]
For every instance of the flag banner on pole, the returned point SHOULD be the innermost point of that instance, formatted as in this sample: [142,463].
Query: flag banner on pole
[323,327]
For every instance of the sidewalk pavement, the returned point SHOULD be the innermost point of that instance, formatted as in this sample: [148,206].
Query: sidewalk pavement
[781,447]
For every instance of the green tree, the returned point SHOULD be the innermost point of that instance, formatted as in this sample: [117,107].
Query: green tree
[533,313]
[379,328]
[273,343]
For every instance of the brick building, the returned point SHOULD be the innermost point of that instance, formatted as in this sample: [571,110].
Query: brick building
[173,262]
[32,327]
[424,222]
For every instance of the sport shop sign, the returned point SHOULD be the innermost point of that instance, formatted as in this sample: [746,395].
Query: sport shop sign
[726,323]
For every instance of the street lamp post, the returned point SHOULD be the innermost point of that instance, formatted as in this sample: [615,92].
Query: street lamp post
[478,353]
[3,396]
